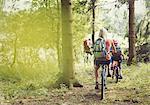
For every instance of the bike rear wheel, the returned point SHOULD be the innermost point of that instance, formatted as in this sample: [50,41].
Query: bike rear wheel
[117,74]
[103,82]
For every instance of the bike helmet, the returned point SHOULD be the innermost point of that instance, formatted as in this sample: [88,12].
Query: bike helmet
[115,42]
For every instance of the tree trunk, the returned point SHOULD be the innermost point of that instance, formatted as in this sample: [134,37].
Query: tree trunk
[67,53]
[58,35]
[132,37]
[93,20]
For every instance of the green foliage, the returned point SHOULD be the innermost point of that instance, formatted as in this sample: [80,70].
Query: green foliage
[43,72]
[80,6]
[22,80]
[123,1]
[143,29]
[33,35]
[26,27]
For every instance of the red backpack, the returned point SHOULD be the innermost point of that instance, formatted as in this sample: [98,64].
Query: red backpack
[85,44]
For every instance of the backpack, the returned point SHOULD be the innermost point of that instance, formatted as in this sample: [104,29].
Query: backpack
[118,51]
[99,48]
[86,47]
[85,43]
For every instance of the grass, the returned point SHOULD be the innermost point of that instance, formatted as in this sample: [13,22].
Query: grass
[22,81]
[20,84]
[134,87]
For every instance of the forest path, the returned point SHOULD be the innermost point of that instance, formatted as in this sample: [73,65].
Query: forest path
[87,96]
[133,89]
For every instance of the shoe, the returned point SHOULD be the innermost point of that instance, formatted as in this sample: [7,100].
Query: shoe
[120,77]
[105,86]
[108,75]
[112,76]
[96,87]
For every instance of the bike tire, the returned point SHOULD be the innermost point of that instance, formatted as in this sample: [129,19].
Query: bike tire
[117,74]
[102,84]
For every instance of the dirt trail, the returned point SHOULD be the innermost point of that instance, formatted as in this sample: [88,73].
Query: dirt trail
[132,90]
[82,96]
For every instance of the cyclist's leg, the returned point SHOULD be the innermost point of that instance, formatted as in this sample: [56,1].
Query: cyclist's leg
[87,57]
[96,67]
[105,76]
[112,68]
[111,63]
[108,69]
[120,70]
[96,73]
[115,63]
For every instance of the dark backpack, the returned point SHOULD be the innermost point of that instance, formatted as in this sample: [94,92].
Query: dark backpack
[118,51]
[99,48]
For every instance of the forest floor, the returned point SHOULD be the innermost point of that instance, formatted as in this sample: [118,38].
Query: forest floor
[133,89]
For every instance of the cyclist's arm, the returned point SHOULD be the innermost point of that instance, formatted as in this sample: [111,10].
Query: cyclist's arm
[108,45]
[113,47]
[122,55]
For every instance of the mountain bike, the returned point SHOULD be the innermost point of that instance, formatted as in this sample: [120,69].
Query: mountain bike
[116,73]
[103,81]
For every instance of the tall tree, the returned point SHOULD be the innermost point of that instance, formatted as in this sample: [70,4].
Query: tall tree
[67,53]
[93,20]
[132,37]
[58,35]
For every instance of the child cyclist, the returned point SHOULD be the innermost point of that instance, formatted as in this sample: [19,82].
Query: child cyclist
[117,58]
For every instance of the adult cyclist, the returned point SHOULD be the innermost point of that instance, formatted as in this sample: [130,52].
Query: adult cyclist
[102,53]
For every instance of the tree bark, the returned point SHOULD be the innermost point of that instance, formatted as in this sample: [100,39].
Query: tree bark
[93,20]
[58,35]
[67,53]
[132,37]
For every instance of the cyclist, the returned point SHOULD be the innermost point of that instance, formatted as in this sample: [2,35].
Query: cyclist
[87,44]
[109,48]
[101,53]
[117,58]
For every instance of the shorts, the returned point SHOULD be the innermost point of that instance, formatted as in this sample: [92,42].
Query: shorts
[117,58]
[111,60]
[101,61]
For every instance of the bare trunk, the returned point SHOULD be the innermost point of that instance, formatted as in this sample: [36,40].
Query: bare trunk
[132,37]
[93,20]
[58,35]
[67,53]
